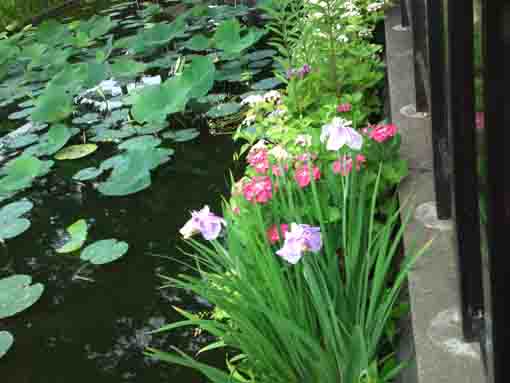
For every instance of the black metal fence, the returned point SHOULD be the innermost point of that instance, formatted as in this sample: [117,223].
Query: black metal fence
[462,60]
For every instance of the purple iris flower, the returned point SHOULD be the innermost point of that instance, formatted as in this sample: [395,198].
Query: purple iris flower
[300,239]
[204,222]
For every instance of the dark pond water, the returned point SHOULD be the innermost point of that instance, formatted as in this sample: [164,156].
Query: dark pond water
[96,331]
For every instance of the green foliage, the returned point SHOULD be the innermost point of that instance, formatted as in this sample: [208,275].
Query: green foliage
[228,38]
[6,341]
[75,152]
[19,174]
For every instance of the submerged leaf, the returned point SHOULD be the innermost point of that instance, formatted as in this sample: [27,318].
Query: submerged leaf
[78,234]
[74,152]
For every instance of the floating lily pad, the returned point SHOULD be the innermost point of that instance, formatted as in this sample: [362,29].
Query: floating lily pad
[17,294]
[266,84]
[78,234]
[140,143]
[23,140]
[11,225]
[57,137]
[260,54]
[74,152]
[24,113]
[20,172]
[182,135]
[87,174]
[6,341]
[104,251]
[224,109]
[198,43]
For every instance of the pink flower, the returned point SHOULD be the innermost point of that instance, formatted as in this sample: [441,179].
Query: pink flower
[342,166]
[277,169]
[382,132]
[259,160]
[274,235]
[360,160]
[259,189]
[302,175]
[236,210]
[480,120]
[345,107]
[299,240]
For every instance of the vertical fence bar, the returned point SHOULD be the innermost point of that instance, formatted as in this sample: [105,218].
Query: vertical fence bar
[404,14]
[465,183]
[496,52]
[419,30]
[437,65]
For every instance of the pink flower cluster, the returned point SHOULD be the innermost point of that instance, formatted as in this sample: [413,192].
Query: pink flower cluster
[303,176]
[258,189]
[343,108]
[258,158]
[273,235]
[343,166]
[380,133]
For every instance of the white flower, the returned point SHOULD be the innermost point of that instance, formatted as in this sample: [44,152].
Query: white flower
[339,133]
[253,99]
[279,153]
[272,95]
[304,140]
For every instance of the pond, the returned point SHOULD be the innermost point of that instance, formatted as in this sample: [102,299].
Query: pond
[92,323]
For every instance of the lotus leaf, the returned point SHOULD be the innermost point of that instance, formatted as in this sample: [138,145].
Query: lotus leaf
[224,109]
[6,341]
[260,54]
[11,225]
[24,113]
[17,294]
[23,140]
[140,143]
[78,234]
[104,251]
[228,37]
[266,84]
[126,67]
[53,105]
[20,172]
[74,152]
[87,174]
[131,173]
[197,43]
[57,137]
[182,135]
[159,34]
[200,76]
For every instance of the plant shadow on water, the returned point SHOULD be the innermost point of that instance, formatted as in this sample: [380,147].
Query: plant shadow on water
[95,329]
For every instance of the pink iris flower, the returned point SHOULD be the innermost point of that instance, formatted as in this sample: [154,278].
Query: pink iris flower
[382,132]
[274,235]
[258,190]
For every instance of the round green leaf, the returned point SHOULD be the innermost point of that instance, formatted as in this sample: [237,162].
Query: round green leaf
[22,141]
[16,294]
[6,341]
[104,251]
[15,210]
[140,143]
[224,109]
[78,234]
[182,135]
[74,152]
[266,84]
[13,228]
[87,174]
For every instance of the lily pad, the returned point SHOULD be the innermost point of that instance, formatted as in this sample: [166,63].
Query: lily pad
[104,251]
[228,37]
[266,84]
[140,143]
[74,152]
[17,294]
[57,137]
[182,135]
[11,225]
[87,174]
[198,43]
[78,234]
[20,172]
[23,140]
[224,109]
[6,341]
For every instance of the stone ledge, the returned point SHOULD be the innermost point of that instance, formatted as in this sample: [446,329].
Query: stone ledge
[432,334]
